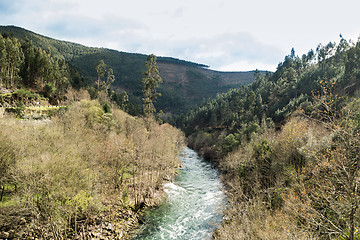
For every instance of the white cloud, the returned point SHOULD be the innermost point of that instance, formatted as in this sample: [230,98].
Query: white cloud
[226,34]
[221,51]
[245,65]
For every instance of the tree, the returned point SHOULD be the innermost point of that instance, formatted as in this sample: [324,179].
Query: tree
[3,60]
[151,81]
[213,119]
[102,71]
[110,78]
[329,185]
[14,57]
[27,72]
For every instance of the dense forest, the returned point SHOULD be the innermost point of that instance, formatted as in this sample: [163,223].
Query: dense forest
[179,92]
[275,96]
[288,147]
[24,66]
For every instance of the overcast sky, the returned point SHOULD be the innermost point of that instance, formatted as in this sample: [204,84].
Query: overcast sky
[229,35]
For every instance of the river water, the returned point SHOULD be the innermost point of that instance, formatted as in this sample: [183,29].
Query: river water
[193,206]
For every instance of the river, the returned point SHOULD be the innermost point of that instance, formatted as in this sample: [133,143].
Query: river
[193,206]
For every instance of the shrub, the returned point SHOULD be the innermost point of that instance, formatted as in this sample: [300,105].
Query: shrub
[106,108]
[231,142]
[49,90]
[80,164]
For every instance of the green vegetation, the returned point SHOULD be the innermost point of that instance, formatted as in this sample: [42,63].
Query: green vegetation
[102,71]
[151,81]
[297,183]
[287,144]
[83,169]
[86,169]
[182,79]
[24,66]
[288,148]
[274,97]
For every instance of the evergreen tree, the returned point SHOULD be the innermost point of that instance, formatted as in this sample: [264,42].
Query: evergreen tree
[101,70]
[14,60]
[109,79]
[151,81]
[213,119]
[26,71]
[3,60]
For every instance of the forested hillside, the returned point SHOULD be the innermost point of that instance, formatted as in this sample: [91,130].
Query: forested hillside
[182,80]
[28,74]
[288,147]
[274,97]
[85,169]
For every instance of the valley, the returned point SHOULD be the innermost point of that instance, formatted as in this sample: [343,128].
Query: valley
[107,162]
[181,78]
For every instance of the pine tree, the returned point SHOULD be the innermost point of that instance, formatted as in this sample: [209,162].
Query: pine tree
[14,60]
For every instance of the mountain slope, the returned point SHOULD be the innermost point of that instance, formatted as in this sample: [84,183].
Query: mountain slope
[185,83]
[288,147]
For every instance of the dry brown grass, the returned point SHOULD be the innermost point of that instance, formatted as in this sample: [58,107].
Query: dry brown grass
[81,165]
[259,211]
[252,220]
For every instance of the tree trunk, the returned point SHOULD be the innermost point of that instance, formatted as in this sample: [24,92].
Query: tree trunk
[2,192]
[11,76]
[352,222]
[135,194]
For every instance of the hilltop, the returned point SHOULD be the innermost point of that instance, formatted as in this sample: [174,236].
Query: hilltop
[186,84]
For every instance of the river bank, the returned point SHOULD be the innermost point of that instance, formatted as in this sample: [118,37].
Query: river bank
[84,174]
[193,204]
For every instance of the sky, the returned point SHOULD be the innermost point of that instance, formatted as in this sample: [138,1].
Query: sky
[227,35]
